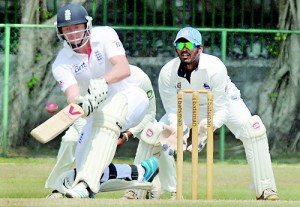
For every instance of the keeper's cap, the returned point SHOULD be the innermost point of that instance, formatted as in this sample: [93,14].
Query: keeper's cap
[190,34]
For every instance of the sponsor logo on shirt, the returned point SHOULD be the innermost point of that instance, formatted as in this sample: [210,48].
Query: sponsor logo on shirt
[149,93]
[178,85]
[117,43]
[80,68]
[98,55]
[206,86]
[234,98]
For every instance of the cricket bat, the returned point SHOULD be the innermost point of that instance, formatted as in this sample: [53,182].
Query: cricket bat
[59,122]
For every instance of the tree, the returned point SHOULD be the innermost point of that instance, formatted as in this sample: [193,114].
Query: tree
[33,81]
[279,97]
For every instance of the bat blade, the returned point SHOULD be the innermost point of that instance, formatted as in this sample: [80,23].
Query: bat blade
[59,122]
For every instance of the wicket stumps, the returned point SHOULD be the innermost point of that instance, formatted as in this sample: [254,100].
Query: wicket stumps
[209,147]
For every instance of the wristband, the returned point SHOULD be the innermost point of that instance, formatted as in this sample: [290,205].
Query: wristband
[126,136]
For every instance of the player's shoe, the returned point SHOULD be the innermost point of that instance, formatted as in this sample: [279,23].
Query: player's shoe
[55,195]
[153,195]
[269,195]
[79,191]
[151,168]
[130,195]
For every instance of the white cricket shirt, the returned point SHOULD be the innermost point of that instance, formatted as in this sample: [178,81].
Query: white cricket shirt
[71,67]
[211,74]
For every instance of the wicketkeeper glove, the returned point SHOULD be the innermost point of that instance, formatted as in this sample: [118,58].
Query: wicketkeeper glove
[98,88]
[201,143]
[168,139]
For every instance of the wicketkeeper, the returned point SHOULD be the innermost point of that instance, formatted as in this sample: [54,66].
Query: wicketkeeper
[193,69]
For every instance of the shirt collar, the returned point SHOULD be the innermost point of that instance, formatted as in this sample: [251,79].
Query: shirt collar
[200,64]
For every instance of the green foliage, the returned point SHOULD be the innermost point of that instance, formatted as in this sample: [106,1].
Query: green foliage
[44,14]
[38,56]
[274,47]
[273,95]
[33,81]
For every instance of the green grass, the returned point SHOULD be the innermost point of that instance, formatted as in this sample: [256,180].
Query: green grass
[22,184]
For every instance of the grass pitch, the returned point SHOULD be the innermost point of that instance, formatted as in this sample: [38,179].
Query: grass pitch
[22,184]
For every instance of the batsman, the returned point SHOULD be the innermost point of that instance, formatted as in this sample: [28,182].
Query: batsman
[93,71]
[196,70]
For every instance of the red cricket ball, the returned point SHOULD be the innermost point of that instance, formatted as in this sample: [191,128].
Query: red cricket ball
[51,107]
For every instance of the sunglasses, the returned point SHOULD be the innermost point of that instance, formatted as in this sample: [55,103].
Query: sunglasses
[187,45]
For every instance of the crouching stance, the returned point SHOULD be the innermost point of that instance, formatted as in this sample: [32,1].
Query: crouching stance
[194,69]
[92,70]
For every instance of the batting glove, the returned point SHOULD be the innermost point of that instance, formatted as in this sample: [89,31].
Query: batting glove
[88,103]
[98,88]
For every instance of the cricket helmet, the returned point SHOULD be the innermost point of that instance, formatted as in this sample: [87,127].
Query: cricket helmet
[72,14]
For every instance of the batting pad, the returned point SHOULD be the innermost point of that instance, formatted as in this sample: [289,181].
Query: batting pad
[98,149]
[257,152]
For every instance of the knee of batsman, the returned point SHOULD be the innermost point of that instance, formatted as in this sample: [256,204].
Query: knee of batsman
[113,123]
[112,114]
[253,128]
